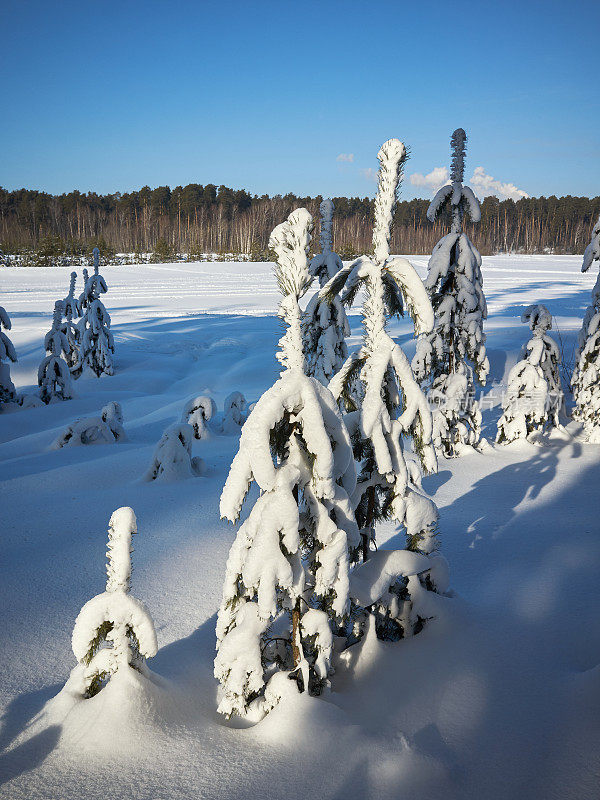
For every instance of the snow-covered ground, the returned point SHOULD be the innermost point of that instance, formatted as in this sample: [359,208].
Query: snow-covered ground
[499,697]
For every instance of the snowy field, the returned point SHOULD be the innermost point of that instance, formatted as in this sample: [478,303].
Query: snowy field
[498,698]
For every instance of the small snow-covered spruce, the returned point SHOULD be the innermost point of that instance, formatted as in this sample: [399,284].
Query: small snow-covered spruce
[448,358]
[286,584]
[586,377]
[97,343]
[325,322]
[386,407]
[113,631]
[172,459]
[83,300]
[105,429]
[54,378]
[72,331]
[197,412]
[233,413]
[8,392]
[534,396]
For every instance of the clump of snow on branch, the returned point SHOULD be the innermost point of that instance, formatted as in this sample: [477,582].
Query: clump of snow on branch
[172,459]
[233,413]
[197,413]
[452,355]
[8,392]
[586,377]
[325,322]
[113,631]
[291,555]
[534,396]
[54,377]
[105,429]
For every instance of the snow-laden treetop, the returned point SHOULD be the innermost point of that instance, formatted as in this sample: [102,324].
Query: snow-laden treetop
[326,235]
[458,143]
[538,317]
[460,198]
[118,569]
[291,241]
[392,156]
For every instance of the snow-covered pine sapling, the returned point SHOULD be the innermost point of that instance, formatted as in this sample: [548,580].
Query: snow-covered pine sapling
[233,413]
[325,322]
[286,585]
[386,408]
[97,343]
[586,377]
[534,396]
[84,297]
[54,378]
[197,412]
[72,331]
[113,631]
[449,358]
[105,429]
[8,392]
[172,459]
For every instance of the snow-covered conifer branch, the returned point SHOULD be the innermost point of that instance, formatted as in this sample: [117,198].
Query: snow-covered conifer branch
[8,392]
[586,376]
[326,325]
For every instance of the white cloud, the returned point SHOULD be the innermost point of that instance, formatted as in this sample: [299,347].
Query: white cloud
[434,180]
[484,185]
[369,173]
[346,157]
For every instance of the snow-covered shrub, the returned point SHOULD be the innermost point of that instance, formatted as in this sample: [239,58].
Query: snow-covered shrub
[325,322]
[54,378]
[233,413]
[387,412]
[450,357]
[534,396]
[105,429]
[113,631]
[72,331]
[586,377]
[286,584]
[172,459]
[197,412]
[97,343]
[27,401]
[8,392]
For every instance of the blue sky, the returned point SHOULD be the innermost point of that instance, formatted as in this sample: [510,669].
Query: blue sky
[262,95]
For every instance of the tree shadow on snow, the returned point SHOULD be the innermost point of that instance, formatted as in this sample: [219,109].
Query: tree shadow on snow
[22,710]
[31,753]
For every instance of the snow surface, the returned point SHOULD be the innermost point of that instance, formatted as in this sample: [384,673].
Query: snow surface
[496,698]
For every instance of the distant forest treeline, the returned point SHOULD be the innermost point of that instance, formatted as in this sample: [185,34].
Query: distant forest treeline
[197,219]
